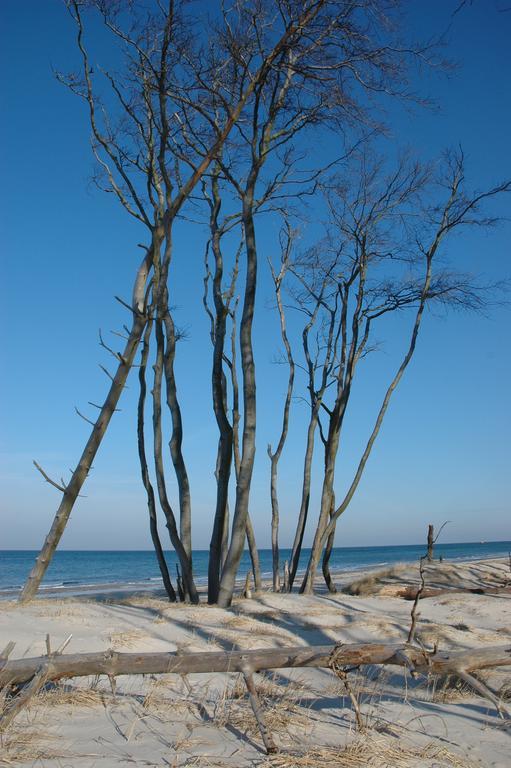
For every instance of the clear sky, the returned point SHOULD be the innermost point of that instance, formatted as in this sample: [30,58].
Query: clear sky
[67,249]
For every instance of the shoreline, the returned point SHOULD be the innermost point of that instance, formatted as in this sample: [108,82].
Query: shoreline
[153,586]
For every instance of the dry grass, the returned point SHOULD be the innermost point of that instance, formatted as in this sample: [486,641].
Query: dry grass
[22,744]
[373,753]
[65,696]
[367,585]
[285,706]
[129,639]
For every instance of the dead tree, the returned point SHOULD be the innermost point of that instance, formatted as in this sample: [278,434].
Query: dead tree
[319,303]
[430,542]
[29,675]
[151,501]
[308,86]
[144,160]
[372,232]
[274,456]
[222,311]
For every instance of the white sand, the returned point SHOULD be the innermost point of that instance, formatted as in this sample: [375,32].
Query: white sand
[207,721]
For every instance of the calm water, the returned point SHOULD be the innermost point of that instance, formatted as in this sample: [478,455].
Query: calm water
[79,569]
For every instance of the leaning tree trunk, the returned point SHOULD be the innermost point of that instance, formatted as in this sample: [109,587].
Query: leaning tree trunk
[81,472]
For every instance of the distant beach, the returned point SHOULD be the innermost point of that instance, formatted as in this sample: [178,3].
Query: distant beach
[90,572]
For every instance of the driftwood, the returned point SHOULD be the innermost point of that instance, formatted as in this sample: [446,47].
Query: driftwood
[30,674]
[410,593]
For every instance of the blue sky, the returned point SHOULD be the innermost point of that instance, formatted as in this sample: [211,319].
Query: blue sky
[67,250]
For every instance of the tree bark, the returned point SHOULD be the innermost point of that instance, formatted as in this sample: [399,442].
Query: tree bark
[327,494]
[328,552]
[431,542]
[112,663]
[254,555]
[230,570]
[305,500]
[176,439]
[275,456]
[160,472]
[151,503]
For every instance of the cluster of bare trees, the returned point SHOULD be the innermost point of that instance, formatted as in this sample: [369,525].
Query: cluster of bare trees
[227,113]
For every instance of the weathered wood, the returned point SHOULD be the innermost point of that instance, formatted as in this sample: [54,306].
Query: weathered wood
[7,650]
[22,699]
[257,708]
[410,593]
[20,671]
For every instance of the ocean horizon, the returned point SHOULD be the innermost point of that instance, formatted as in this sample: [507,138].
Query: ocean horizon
[138,569]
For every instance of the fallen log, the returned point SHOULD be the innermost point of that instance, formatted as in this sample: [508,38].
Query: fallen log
[410,593]
[28,676]
[113,663]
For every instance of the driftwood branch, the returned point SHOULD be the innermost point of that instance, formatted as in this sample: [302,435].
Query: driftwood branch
[4,655]
[19,671]
[34,684]
[48,479]
[266,736]
[32,674]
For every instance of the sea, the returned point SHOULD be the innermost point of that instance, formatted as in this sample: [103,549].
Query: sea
[83,572]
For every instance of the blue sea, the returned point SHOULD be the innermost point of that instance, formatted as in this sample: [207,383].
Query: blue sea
[89,571]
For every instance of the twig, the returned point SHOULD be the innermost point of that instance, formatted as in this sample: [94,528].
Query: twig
[414,615]
[342,674]
[103,344]
[89,421]
[22,699]
[125,304]
[484,691]
[48,479]
[95,405]
[271,747]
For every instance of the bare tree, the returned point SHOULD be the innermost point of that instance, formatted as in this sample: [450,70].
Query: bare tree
[286,245]
[143,158]
[389,221]
[308,86]
[239,93]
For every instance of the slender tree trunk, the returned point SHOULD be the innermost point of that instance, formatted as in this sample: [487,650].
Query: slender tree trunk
[320,538]
[151,504]
[220,534]
[305,501]
[275,457]
[307,586]
[431,542]
[225,538]
[79,475]
[176,440]
[254,555]
[230,570]
[328,552]
[251,540]
[274,523]
[159,468]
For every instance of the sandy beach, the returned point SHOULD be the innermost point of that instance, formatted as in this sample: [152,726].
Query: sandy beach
[206,720]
